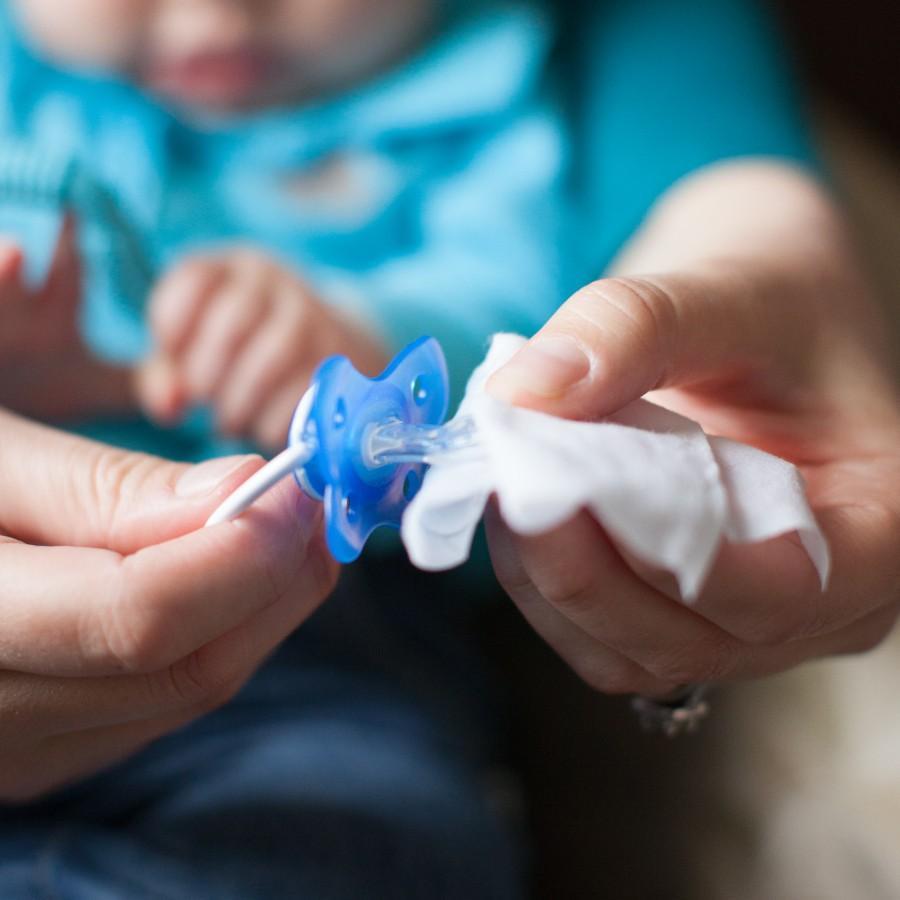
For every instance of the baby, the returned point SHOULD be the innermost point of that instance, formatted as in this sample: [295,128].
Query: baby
[308,178]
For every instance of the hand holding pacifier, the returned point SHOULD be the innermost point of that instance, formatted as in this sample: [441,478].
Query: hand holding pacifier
[361,445]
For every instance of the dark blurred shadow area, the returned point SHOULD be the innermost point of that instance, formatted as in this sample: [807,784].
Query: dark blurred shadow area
[850,57]
[850,53]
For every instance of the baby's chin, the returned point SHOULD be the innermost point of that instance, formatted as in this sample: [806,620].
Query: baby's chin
[216,105]
[223,85]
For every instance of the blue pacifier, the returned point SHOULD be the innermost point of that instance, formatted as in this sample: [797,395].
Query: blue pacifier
[346,408]
[361,445]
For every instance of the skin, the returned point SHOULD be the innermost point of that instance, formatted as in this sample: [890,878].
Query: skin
[99,556]
[760,326]
[46,370]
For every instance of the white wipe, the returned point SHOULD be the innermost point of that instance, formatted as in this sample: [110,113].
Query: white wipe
[665,492]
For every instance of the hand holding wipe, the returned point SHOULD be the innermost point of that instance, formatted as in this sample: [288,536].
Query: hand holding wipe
[663,490]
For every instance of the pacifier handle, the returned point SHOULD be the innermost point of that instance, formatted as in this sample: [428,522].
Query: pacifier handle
[295,457]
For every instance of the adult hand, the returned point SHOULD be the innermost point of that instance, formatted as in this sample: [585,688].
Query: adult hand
[756,324]
[119,620]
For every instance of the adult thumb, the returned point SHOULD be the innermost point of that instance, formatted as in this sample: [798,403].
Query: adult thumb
[619,338]
[58,489]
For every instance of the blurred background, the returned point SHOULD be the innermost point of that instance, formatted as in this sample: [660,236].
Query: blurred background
[852,69]
[856,67]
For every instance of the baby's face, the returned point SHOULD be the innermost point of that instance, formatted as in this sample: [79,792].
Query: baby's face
[226,56]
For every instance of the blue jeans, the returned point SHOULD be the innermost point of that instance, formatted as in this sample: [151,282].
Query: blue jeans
[352,766]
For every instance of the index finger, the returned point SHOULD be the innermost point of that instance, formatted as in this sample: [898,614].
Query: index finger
[84,611]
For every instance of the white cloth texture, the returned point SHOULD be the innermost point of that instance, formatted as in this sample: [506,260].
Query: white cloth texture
[664,491]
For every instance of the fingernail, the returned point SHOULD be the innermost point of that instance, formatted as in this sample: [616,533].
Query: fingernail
[545,367]
[204,479]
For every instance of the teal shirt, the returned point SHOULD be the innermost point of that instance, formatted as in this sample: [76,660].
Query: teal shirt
[662,88]
[478,183]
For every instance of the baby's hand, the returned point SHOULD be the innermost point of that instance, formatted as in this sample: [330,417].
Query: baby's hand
[241,332]
[46,370]
[37,323]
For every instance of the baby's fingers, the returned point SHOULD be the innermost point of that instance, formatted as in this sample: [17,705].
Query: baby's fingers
[179,300]
[11,262]
[160,389]
[269,360]
[239,308]
[272,423]
[62,287]
[13,297]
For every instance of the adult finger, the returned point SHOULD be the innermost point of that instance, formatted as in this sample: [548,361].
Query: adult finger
[598,665]
[861,636]
[59,489]
[578,572]
[619,338]
[36,706]
[769,593]
[75,612]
